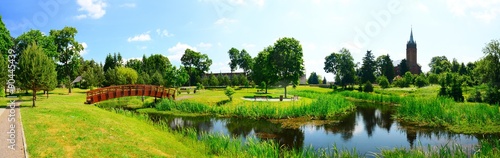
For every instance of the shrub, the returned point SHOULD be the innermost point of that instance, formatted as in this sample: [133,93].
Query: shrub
[199,86]
[368,87]
[421,81]
[383,82]
[400,82]
[492,94]
[476,97]
[408,78]
[360,88]
[229,93]
[433,78]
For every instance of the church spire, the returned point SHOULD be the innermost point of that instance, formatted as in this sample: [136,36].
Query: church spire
[411,37]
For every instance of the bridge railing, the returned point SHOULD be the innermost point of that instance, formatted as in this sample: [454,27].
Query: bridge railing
[101,94]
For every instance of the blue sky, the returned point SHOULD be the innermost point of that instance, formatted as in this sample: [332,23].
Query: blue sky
[454,28]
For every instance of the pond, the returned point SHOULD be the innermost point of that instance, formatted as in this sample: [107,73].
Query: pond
[368,129]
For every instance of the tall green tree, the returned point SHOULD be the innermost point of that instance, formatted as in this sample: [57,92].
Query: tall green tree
[157,79]
[455,66]
[112,61]
[68,49]
[313,78]
[342,66]
[113,78]
[246,62]
[286,61]
[368,68]
[213,81]
[6,42]
[92,73]
[385,67]
[488,69]
[196,64]
[135,64]
[176,77]
[37,70]
[157,63]
[261,71]
[440,64]
[403,67]
[234,57]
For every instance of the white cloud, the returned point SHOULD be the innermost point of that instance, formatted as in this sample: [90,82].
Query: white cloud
[94,9]
[84,51]
[222,21]
[205,46]
[128,5]
[164,33]
[485,10]
[141,37]
[176,52]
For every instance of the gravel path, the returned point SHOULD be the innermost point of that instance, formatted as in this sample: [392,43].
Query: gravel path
[11,133]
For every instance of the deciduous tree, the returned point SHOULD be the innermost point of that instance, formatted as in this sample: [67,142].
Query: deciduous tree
[261,71]
[342,66]
[196,64]
[68,49]
[286,61]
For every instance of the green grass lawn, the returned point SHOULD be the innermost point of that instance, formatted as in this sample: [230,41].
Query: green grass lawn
[62,126]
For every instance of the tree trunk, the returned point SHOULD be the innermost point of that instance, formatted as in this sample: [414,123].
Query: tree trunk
[285,91]
[69,85]
[266,88]
[47,94]
[34,97]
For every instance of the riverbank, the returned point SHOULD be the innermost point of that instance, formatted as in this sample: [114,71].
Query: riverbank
[472,118]
[62,126]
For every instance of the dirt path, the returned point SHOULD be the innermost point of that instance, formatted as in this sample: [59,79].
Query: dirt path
[12,143]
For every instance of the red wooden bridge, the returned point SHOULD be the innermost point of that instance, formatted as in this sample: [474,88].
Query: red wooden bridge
[101,94]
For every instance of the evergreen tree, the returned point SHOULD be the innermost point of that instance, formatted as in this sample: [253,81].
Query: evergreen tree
[403,67]
[313,78]
[37,70]
[368,68]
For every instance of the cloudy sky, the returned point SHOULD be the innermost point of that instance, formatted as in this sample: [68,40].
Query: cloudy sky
[454,28]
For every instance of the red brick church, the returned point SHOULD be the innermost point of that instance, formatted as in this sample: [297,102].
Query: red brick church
[411,57]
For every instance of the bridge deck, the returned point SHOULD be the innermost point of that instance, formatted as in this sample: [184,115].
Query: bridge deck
[101,94]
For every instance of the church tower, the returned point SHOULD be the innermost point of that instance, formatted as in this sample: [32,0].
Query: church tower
[411,55]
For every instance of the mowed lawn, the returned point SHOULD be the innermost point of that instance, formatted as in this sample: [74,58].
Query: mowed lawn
[63,126]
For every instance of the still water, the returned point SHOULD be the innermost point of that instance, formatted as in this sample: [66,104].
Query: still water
[368,129]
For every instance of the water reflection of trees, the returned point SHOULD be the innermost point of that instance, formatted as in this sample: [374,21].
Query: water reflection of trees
[413,132]
[200,124]
[265,130]
[237,127]
[371,115]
